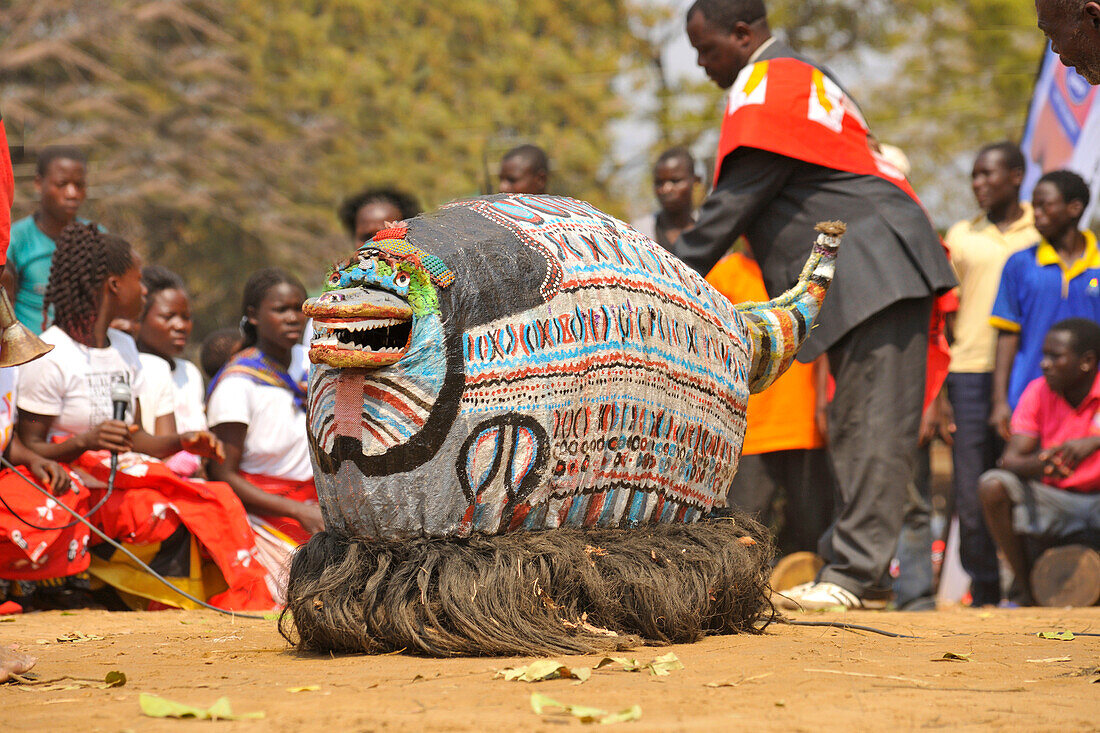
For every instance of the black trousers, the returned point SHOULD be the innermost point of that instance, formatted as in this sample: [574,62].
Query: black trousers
[805,479]
[976,450]
[874,419]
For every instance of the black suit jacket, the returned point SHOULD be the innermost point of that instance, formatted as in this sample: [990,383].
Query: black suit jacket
[891,252]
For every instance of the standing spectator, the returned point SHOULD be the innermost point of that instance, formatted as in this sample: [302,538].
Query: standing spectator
[794,150]
[258,411]
[1073,27]
[524,169]
[783,449]
[1058,278]
[979,248]
[1049,485]
[60,181]
[674,181]
[366,213]
[163,331]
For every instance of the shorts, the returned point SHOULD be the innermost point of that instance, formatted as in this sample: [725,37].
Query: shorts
[1046,512]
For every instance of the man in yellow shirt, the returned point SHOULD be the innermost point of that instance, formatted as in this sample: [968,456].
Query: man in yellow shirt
[979,248]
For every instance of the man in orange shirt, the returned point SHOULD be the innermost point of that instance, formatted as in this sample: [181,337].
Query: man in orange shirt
[783,447]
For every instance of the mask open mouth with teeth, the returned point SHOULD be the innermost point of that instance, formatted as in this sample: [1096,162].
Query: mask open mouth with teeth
[364,318]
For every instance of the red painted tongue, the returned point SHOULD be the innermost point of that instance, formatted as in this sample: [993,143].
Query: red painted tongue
[349,403]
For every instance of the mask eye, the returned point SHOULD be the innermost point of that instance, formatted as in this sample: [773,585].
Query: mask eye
[401,279]
[334,278]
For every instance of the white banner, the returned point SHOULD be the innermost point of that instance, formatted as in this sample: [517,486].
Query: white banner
[1063,128]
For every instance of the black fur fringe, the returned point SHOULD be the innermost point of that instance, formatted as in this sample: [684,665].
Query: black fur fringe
[530,593]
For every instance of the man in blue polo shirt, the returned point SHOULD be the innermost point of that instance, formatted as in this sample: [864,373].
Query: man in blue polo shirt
[1056,279]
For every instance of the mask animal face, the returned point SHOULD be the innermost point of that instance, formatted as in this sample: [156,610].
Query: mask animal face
[379,349]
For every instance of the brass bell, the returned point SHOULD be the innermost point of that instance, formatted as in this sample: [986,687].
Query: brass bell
[17,344]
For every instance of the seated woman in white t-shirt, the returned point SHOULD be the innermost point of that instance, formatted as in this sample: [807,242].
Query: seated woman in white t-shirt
[66,414]
[162,333]
[258,412]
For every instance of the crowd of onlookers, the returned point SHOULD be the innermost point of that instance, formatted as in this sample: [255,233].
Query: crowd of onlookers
[1011,386]
[1011,383]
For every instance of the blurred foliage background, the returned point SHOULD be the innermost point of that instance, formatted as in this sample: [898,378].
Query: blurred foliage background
[223,134]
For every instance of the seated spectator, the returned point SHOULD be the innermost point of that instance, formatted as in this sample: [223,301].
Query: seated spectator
[674,182]
[65,414]
[60,180]
[163,330]
[366,213]
[524,169]
[1048,486]
[258,412]
[217,349]
[56,547]
[1058,278]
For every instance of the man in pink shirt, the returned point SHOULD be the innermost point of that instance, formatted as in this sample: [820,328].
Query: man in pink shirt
[1048,486]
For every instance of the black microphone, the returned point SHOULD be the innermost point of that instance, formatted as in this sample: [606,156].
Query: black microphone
[120,400]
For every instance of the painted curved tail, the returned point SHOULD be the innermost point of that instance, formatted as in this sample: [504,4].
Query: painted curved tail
[778,327]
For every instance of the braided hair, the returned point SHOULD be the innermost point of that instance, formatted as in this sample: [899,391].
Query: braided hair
[157,279]
[255,290]
[84,258]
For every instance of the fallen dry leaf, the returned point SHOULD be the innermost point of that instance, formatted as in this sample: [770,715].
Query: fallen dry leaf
[544,669]
[1047,660]
[541,703]
[952,657]
[160,707]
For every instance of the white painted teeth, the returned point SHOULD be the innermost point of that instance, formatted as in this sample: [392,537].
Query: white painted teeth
[365,325]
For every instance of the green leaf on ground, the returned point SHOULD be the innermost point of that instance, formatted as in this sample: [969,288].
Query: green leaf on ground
[159,707]
[1056,635]
[629,665]
[304,688]
[543,705]
[545,669]
[664,665]
[953,657]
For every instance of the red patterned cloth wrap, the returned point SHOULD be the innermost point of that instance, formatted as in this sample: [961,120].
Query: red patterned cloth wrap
[303,491]
[27,553]
[150,502]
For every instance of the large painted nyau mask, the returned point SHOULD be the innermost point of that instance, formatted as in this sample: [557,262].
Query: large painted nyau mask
[527,363]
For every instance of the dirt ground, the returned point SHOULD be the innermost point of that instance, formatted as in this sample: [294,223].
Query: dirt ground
[789,678]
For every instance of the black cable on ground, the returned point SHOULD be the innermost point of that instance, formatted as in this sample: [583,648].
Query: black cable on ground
[844,625]
[7,464]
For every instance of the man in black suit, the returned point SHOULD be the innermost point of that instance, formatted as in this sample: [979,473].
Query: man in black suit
[776,179]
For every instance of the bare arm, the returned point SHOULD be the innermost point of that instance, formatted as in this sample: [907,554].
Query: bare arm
[1000,416]
[1022,457]
[48,472]
[9,282]
[257,500]
[167,441]
[33,429]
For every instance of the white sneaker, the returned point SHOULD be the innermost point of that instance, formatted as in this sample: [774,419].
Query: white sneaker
[823,596]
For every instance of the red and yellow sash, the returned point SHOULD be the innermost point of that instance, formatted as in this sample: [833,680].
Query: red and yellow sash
[789,107]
